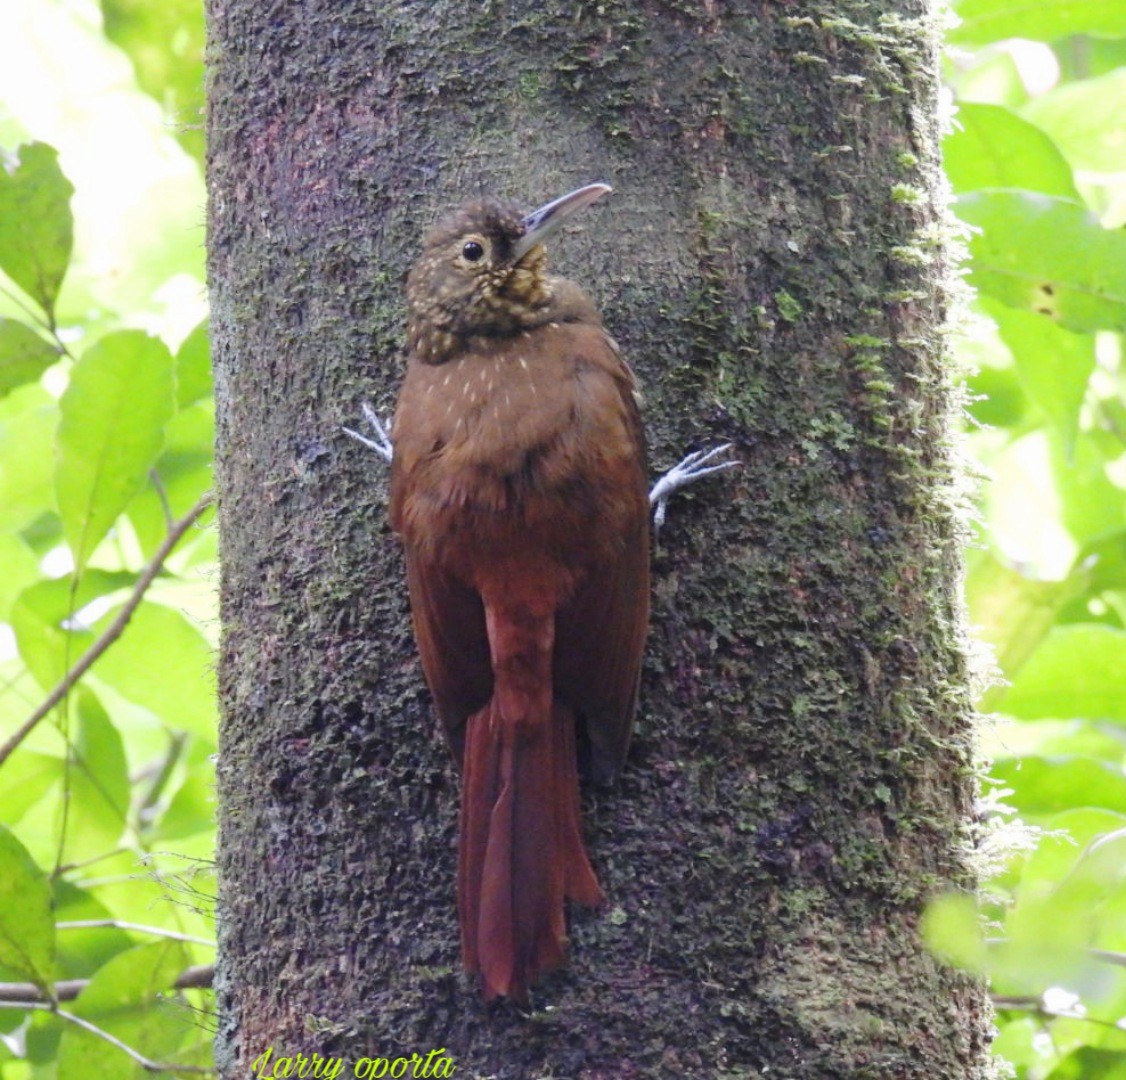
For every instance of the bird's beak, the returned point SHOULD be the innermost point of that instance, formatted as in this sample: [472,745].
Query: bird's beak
[549,218]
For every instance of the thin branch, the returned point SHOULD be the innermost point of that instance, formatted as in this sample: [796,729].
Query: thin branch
[1032,1003]
[1107,956]
[162,495]
[30,996]
[118,924]
[111,632]
[146,1063]
[33,315]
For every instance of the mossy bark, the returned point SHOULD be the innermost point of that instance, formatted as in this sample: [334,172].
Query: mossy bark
[801,779]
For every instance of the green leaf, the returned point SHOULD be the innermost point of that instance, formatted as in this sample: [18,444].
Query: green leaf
[992,147]
[193,367]
[165,43]
[1091,1063]
[82,951]
[1012,612]
[1016,1041]
[32,776]
[1091,504]
[191,810]
[1075,868]
[185,472]
[1107,557]
[1087,120]
[24,355]
[997,396]
[164,664]
[36,227]
[951,928]
[19,568]
[1043,785]
[28,418]
[1048,255]
[46,637]
[1054,365]
[1024,512]
[1040,20]
[1078,671]
[120,397]
[988,75]
[27,926]
[124,998]
[99,784]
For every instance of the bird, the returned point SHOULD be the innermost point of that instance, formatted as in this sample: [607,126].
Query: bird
[518,489]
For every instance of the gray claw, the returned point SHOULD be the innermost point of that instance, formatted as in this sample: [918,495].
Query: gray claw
[381,444]
[687,471]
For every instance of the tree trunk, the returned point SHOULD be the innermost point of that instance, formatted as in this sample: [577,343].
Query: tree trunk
[801,780]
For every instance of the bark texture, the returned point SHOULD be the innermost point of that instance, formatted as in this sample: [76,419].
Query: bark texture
[801,780]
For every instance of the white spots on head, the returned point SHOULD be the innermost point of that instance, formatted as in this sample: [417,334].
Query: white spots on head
[523,362]
[446,380]
[553,325]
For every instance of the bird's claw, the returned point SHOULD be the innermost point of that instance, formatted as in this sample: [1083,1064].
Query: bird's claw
[381,444]
[687,471]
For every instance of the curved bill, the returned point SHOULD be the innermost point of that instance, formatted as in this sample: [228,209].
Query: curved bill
[549,218]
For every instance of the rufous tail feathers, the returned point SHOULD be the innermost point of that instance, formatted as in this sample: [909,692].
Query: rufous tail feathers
[521,848]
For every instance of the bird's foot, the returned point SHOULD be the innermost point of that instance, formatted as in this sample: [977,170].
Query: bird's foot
[695,466]
[381,444]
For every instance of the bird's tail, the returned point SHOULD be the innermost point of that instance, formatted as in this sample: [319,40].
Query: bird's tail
[521,847]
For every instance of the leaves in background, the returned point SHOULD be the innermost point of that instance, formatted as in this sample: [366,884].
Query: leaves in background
[20,569]
[36,227]
[1047,255]
[1049,785]
[1078,671]
[193,368]
[1013,613]
[1087,121]
[120,396]
[28,418]
[1054,365]
[165,43]
[163,663]
[27,924]
[98,783]
[984,21]
[47,641]
[126,998]
[24,355]
[992,147]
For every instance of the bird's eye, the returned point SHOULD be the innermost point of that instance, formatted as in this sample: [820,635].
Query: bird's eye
[472,251]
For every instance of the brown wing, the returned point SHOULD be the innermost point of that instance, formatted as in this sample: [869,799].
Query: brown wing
[600,632]
[449,625]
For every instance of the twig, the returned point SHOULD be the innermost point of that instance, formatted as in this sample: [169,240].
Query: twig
[111,632]
[118,924]
[28,995]
[146,1063]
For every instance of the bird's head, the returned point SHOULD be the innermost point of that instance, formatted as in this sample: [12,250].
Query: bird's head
[483,271]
